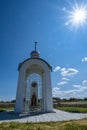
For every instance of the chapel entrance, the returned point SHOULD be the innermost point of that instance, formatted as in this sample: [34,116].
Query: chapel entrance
[33,94]
[33,100]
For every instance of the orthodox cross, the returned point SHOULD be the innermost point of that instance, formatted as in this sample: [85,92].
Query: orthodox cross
[35,45]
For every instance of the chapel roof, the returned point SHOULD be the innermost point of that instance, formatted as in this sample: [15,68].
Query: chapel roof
[34,55]
[20,65]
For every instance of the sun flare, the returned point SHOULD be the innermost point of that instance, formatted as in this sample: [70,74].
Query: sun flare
[78,16]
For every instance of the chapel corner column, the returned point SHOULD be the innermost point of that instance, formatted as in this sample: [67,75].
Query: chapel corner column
[19,104]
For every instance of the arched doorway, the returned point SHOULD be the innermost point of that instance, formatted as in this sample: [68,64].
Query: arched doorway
[33,93]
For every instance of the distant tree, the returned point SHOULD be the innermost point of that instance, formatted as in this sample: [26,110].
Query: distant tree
[73,99]
[1,101]
[64,100]
[85,99]
[12,101]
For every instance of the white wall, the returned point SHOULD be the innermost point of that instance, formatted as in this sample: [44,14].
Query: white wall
[43,69]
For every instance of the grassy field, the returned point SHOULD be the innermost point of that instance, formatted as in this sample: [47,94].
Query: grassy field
[6,109]
[78,107]
[64,125]
[73,109]
[74,106]
[6,106]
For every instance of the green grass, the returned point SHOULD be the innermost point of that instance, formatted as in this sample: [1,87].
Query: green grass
[6,109]
[6,106]
[68,109]
[63,125]
[73,109]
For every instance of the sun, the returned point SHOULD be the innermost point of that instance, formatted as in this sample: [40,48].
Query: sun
[78,16]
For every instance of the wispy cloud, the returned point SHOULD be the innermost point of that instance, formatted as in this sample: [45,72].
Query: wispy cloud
[84,83]
[77,86]
[65,79]
[63,94]
[62,83]
[78,91]
[57,68]
[56,89]
[56,92]
[81,87]
[84,59]
[68,71]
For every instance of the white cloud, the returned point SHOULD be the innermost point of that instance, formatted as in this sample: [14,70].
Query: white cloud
[57,93]
[68,71]
[84,82]
[66,79]
[72,91]
[57,68]
[78,89]
[56,89]
[77,86]
[82,87]
[77,93]
[62,83]
[84,59]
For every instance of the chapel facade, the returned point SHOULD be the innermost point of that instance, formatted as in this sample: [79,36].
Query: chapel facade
[34,89]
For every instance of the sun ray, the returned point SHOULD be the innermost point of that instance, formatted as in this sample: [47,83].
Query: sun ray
[78,16]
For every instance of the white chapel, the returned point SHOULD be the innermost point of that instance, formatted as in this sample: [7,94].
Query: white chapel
[34,90]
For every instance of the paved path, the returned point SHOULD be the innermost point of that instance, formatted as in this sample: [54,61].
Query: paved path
[57,115]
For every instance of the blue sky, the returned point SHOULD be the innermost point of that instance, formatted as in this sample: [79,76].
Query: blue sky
[64,46]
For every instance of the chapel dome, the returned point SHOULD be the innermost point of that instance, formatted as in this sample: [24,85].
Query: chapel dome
[34,54]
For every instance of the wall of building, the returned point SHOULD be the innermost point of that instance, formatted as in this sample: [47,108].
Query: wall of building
[41,68]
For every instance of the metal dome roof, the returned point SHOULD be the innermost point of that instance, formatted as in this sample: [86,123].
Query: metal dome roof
[34,54]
